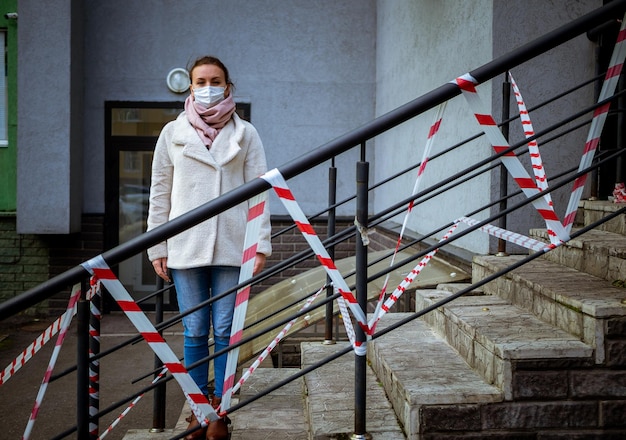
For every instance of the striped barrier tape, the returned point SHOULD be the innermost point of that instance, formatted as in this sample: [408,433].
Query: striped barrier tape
[95,300]
[533,146]
[593,138]
[434,129]
[556,231]
[512,237]
[274,178]
[33,348]
[65,324]
[131,406]
[273,344]
[253,227]
[397,293]
[197,401]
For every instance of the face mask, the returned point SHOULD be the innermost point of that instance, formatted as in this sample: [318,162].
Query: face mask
[208,96]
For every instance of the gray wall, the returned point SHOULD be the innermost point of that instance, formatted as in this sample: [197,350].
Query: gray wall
[50,124]
[422,44]
[307,68]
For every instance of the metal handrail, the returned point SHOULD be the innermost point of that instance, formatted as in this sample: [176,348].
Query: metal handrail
[327,152]
[319,155]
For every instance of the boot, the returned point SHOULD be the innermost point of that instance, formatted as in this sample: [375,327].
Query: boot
[193,423]
[218,430]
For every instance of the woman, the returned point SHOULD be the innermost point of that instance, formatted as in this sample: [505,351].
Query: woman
[207,151]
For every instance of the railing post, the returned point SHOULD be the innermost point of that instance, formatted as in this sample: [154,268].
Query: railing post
[158,404]
[504,175]
[95,317]
[332,199]
[82,365]
[360,367]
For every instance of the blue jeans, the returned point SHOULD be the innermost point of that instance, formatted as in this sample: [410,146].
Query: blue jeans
[194,286]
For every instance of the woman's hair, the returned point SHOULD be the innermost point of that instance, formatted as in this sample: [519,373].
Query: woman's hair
[210,60]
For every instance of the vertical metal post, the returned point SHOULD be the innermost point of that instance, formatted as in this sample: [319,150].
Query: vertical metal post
[504,175]
[360,361]
[332,199]
[158,405]
[82,365]
[95,317]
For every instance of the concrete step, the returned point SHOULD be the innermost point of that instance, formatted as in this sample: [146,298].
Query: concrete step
[330,397]
[493,336]
[587,307]
[590,211]
[596,252]
[278,415]
[418,369]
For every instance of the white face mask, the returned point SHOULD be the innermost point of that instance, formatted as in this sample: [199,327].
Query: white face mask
[208,96]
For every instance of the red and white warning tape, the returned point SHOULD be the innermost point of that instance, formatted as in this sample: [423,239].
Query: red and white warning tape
[434,129]
[593,138]
[253,227]
[273,344]
[556,231]
[397,293]
[513,237]
[198,401]
[131,406]
[34,347]
[65,324]
[533,146]
[287,198]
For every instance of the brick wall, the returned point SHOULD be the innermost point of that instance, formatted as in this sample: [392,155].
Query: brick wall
[291,242]
[23,262]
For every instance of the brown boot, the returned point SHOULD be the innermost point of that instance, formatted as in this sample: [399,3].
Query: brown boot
[218,430]
[193,423]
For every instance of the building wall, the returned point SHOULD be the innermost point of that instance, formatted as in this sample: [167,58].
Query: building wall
[307,70]
[423,44]
[49,178]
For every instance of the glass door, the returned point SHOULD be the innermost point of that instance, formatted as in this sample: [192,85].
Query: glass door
[133,129]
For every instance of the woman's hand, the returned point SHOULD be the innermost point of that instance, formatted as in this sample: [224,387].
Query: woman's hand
[259,263]
[160,267]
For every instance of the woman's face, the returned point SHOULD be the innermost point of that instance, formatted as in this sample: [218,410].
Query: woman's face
[208,75]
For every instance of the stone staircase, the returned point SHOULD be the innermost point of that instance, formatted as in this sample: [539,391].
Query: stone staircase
[539,353]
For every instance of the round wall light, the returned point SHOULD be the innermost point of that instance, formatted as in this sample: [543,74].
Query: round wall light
[178,80]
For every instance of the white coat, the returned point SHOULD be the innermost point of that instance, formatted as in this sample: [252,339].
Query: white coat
[185,175]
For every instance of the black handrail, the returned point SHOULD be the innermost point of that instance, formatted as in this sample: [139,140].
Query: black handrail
[319,155]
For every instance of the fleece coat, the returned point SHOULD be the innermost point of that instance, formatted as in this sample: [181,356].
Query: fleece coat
[185,175]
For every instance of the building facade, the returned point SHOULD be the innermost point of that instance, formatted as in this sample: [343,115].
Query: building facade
[87,96]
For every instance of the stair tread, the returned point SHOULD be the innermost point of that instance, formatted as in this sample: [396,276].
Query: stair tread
[506,330]
[592,295]
[437,374]
[614,243]
[259,418]
[330,399]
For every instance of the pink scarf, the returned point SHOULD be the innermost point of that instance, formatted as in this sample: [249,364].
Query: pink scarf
[209,121]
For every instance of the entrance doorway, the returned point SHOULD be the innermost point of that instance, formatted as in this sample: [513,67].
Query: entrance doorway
[132,130]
